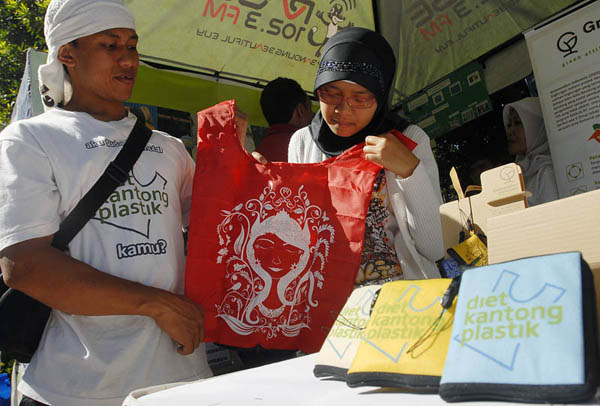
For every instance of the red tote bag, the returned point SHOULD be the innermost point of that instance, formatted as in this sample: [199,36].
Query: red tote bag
[273,249]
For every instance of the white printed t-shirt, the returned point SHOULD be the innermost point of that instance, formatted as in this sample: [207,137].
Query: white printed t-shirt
[47,164]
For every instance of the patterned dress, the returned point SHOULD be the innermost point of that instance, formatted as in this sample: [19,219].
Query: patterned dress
[379,262]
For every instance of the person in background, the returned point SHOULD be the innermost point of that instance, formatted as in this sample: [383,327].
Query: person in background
[143,113]
[403,236]
[287,108]
[241,126]
[119,320]
[478,167]
[527,140]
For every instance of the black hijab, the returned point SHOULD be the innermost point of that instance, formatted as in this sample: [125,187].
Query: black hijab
[364,57]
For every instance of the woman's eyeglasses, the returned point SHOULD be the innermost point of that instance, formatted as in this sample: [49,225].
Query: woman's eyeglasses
[355,101]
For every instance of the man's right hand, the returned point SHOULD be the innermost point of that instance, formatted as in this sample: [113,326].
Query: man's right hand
[181,319]
[32,266]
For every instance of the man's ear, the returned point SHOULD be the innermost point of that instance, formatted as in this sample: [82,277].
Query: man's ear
[297,114]
[66,55]
[302,114]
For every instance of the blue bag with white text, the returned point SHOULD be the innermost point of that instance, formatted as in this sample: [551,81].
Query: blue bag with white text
[524,331]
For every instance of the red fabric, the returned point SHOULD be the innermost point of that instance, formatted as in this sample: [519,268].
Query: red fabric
[273,249]
[408,143]
[274,146]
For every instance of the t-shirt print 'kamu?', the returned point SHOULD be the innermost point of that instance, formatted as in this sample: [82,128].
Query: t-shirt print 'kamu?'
[273,249]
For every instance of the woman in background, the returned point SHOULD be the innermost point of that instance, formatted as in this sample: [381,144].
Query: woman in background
[526,137]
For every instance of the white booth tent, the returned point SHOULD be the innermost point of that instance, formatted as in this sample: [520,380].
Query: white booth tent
[190,87]
[197,53]
[253,41]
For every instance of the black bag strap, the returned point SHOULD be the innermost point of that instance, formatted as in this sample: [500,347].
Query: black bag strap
[115,174]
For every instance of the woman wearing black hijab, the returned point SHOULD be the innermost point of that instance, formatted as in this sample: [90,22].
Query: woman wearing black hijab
[403,236]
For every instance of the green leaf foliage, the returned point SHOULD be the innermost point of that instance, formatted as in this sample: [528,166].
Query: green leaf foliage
[6,367]
[21,27]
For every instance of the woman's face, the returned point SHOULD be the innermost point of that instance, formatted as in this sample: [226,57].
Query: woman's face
[342,119]
[275,255]
[515,136]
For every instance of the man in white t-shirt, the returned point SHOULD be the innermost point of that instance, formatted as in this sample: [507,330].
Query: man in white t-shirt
[119,320]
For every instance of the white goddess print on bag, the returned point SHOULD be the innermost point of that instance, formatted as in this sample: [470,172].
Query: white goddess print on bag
[275,250]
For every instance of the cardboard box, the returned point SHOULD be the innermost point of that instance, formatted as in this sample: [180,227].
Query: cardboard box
[569,224]
[502,192]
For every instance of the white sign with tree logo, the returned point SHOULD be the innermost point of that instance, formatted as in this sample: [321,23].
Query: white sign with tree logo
[565,56]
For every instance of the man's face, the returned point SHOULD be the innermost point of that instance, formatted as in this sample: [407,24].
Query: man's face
[104,66]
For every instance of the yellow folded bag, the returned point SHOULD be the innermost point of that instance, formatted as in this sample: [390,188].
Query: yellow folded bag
[406,339]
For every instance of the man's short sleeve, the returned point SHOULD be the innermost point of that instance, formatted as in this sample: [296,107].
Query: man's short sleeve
[188,168]
[29,197]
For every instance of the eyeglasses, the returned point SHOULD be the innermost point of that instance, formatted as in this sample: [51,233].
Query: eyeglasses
[357,101]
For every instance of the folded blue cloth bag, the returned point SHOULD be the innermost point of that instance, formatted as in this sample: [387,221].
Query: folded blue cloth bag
[524,331]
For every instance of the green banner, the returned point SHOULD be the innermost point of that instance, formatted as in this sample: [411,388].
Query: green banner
[189,93]
[177,91]
[249,40]
[435,37]
[451,102]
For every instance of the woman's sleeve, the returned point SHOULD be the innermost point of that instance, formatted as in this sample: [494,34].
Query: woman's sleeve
[547,189]
[295,148]
[422,199]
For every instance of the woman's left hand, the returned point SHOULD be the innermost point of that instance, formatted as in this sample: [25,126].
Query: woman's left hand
[241,124]
[388,151]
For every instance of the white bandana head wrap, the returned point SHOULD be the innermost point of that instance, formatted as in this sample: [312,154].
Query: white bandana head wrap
[67,20]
